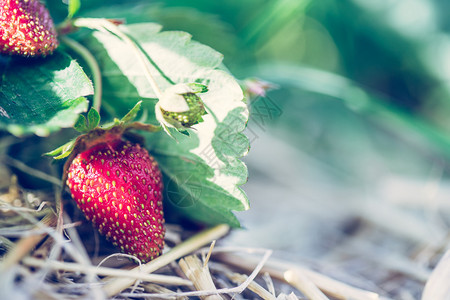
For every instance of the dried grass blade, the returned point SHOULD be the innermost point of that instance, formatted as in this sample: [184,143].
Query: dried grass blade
[26,244]
[199,275]
[235,290]
[278,269]
[74,267]
[298,279]
[253,286]
[117,285]
[438,285]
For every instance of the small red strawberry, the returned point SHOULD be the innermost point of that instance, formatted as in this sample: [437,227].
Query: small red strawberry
[26,28]
[118,186]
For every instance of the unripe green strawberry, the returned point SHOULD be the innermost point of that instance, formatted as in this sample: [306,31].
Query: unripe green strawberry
[118,186]
[187,118]
[26,28]
[180,106]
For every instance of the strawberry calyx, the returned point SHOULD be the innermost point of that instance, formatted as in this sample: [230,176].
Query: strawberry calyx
[93,134]
[181,107]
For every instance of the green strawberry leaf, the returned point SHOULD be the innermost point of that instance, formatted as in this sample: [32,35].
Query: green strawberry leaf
[84,125]
[62,151]
[73,7]
[203,171]
[41,96]
[204,175]
[198,88]
[81,124]
[93,118]
[131,115]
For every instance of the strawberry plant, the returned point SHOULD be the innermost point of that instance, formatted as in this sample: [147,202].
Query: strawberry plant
[180,139]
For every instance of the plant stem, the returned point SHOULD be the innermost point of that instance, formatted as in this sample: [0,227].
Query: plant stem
[102,24]
[30,171]
[93,65]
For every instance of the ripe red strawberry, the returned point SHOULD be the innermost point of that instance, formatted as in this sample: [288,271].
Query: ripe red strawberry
[26,28]
[118,186]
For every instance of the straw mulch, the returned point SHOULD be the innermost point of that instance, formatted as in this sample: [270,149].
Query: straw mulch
[48,252]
